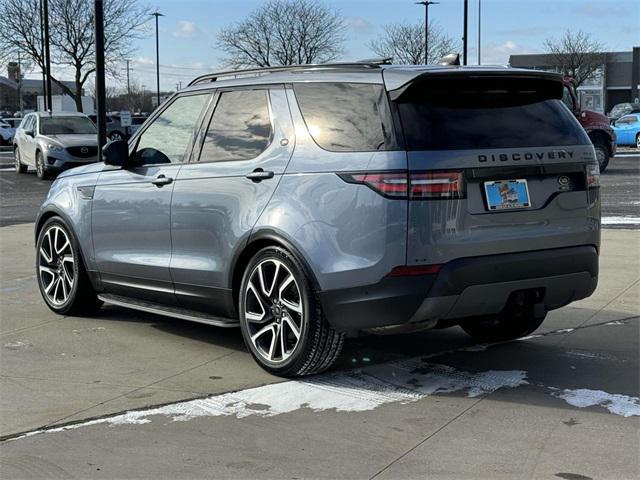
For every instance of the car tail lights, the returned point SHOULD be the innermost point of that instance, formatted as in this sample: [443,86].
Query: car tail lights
[593,175]
[415,186]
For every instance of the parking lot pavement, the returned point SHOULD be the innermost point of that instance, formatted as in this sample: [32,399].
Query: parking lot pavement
[561,404]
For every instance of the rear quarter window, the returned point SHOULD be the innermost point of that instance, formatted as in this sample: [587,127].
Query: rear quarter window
[346,117]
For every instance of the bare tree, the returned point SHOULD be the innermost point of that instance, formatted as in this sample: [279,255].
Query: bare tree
[576,54]
[405,43]
[72,41]
[284,32]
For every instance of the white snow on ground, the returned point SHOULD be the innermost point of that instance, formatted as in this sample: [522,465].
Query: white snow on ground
[618,404]
[624,220]
[355,391]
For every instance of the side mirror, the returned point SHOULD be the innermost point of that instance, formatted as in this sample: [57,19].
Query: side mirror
[116,153]
[29,133]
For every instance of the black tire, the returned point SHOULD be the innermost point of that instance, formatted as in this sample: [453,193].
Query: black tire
[318,345]
[638,140]
[508,325]
[602,155]
[82,298]
[20,167]
[41,170]
[114,136]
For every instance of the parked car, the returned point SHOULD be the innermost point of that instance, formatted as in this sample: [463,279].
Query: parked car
[115,130]
[53,142]
[6,132]
[627,130]
[622,109]
[595,124]
[306,203]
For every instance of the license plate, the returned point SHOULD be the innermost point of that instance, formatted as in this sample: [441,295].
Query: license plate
[507,194]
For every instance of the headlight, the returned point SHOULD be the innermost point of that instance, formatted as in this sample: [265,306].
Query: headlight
[54,148]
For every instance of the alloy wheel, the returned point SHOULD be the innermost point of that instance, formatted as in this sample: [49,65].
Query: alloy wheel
[115,136]
[638,141]
[56,265]
[273,311]
[16,157]
[40,166]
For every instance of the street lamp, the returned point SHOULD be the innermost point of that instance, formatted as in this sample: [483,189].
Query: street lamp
[426,4]
[157,14]
[479,30]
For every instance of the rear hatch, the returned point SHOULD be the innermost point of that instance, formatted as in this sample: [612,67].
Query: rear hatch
[497,164]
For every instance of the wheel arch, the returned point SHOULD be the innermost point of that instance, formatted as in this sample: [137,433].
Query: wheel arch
[600,137]
[258,241]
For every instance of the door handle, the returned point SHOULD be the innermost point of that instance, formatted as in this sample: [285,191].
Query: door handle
[161,180]
[258,175]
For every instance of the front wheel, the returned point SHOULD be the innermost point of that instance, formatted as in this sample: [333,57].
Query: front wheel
[281,319]
[638,140]
[62,278]
[41,170]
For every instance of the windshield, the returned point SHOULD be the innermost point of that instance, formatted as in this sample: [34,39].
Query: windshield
[620,109]
[66,125]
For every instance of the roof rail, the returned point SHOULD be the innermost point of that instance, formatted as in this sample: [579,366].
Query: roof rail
[212,77]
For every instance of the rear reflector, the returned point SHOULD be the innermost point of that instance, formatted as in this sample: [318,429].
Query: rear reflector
[416,186]
[413,270]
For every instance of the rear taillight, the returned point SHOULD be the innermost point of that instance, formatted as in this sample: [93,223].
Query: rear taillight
[436,185]
[416,186]
[593,175]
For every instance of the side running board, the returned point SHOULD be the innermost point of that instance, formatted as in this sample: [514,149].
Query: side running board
[168,311]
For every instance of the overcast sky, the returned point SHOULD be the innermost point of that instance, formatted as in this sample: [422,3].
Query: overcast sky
[188,29]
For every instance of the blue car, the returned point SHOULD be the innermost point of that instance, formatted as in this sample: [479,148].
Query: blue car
[627,130]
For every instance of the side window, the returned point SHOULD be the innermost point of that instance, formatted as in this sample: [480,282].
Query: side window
[240,128]
[346,117]
[27,123]
[169,136]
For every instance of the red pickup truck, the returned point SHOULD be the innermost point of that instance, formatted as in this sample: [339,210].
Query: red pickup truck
[595,124]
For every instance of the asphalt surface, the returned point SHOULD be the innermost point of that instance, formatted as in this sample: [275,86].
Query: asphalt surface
[132,395]
[21,195]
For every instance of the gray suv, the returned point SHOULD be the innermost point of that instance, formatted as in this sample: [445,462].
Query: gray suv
[304,204]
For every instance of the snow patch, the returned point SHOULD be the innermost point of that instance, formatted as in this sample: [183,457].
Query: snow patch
[619,404]
[621,220]
[355,391]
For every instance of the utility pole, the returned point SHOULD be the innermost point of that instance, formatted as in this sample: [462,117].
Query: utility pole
[426,4]
[128,84]
[465,29]
[100,88]
[157,14]
[20,103]
[49,102]
[44,80]
[479,31]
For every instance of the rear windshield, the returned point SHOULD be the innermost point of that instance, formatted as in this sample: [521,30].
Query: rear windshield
[66,125]
[464,114]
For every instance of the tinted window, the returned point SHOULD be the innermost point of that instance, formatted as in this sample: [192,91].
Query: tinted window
[240,128]
[66,125]
[168,137]
[346,116]
[487,113]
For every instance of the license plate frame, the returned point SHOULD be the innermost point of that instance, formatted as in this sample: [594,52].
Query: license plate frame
[504,195]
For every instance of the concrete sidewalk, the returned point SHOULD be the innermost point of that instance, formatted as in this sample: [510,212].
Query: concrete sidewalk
[430,404]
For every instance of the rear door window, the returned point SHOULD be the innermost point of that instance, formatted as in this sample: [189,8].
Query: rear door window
[240,128]
[462,114]
[346,117]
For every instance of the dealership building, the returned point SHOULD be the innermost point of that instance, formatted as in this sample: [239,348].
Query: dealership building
[616,81]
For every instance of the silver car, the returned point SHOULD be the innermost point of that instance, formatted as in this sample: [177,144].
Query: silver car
[307,203]
[53,142]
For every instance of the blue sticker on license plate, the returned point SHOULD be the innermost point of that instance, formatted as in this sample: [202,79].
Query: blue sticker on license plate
[507,194]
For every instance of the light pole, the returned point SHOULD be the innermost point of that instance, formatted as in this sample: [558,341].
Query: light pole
[100,87]
[157,14]
[465,29]
[479,30]
[426,4]
[45,7]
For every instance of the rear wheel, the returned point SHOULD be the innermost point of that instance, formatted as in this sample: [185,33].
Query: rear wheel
[638,140]
[511,324]
[602,155]
[20,167]
[115,136]
[281,319]
[62,278]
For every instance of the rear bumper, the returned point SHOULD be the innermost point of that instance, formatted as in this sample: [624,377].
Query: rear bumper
[466,287]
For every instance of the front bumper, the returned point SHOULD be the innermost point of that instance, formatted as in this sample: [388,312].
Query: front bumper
[60,161]
[466,287]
